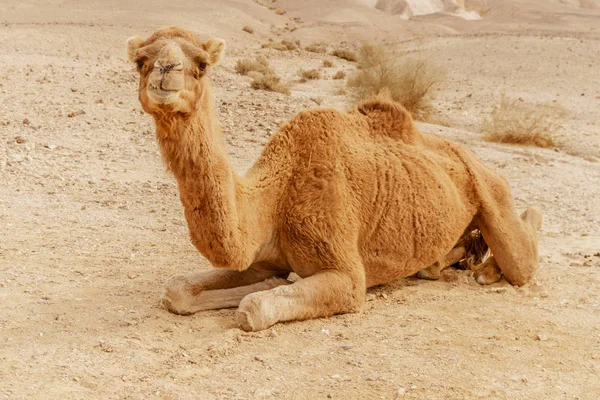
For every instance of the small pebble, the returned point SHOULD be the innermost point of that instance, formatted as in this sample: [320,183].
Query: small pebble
[541,337]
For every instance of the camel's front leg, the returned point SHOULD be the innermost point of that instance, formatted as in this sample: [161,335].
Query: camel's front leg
[215,289]
[323,294]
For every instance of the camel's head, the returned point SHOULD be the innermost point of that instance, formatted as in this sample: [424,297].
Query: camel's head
[172,63]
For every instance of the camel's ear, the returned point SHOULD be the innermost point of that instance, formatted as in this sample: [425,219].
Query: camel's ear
[133,44]
[214,48]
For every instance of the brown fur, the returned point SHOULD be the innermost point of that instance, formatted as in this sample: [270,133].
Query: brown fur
[347,200]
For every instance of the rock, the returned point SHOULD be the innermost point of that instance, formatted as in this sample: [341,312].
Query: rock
[20,139]
[75,113]
[26,122]
[541,337]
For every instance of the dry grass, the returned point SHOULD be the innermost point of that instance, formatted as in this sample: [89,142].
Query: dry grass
[408,80]
[513,121]
[479,6]
[270,82]
[245,65]
[346,54]
[263,76]
[317,47]
[248,29]
[283,45]
[310,74]
[339,75]
[327,63]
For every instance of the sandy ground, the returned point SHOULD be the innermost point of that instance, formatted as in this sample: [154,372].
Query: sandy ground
[91,225]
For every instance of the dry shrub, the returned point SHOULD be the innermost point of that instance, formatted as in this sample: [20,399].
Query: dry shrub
[263,76]
[339,75]
[245,65]
[327,63]
[480,6]
[248,29]
[317,47]
[513,121]
[269,81]
[408,80]
[310,74]
[346,54]
[284,45]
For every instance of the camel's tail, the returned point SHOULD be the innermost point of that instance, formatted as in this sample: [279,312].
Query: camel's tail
[476,249]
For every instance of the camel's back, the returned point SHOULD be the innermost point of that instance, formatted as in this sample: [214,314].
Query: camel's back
[406,196]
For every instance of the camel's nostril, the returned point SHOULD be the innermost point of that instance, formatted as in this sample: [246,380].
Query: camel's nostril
[164,67]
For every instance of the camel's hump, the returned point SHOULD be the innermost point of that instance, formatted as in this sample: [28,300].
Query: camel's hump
[389,118]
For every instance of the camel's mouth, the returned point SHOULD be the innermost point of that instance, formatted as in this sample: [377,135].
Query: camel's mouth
[161,96]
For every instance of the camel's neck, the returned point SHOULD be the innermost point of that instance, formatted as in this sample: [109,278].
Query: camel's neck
[210,191]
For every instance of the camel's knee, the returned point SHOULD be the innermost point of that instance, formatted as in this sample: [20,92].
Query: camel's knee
[178,295]
[533,217]
[523,274]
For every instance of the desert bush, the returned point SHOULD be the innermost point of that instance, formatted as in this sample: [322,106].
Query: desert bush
[346,54]
[283,45]
[244,65]
[327,63]
[248,29]
[339,75]
[269,81]
[480,6]
[514,121]
[317,48]
[409,80]
[310,74]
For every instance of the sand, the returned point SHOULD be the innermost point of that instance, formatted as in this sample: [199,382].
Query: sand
[91,224]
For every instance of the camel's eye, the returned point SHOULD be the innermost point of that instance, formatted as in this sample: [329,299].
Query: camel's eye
[202,66]
[140,64]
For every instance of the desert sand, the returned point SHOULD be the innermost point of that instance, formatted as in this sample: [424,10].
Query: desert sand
[91,225]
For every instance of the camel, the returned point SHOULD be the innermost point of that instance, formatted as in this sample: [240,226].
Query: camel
[347,200]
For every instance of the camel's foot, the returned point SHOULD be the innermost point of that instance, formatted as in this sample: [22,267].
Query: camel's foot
[178,295]
[257,312]
[428,274]
[488,272]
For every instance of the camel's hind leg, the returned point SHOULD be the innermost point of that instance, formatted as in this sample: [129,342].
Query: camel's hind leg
[215,289]
[434,270]
[490,271]
[513,240]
